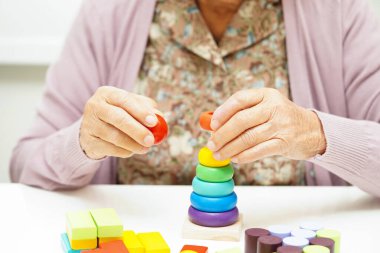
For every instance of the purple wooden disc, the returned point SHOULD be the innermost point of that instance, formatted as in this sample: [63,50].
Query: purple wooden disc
[327,242]
[213,219]
[289,249]
[251,237]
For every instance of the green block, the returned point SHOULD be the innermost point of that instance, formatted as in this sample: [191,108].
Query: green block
[108,222]
[80,226]
[233,250]
[315,249]
[332,234]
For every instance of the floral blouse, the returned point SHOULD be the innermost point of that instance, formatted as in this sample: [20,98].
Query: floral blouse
[187,72]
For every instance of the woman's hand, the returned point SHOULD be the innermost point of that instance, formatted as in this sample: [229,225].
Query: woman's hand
[114,124]
[254,124]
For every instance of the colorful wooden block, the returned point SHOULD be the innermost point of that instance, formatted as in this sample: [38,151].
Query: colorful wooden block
[295,241]
[315,249]
[281,231]
[153,242]
[132,243]
[194,248]
[251,237]
[333,235]
[109,239]
[107,222]
[109,247]
[211,189]
[206,158]
[65,244]
[80,226]
[304,233]
[232,250]
[84,244]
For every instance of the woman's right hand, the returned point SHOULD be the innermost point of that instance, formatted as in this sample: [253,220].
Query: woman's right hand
[115,124]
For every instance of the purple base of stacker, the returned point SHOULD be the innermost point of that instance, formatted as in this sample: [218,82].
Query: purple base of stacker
[213,219]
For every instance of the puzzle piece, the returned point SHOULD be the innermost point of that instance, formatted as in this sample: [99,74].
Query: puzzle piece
[109,247]
[194,248]
[153,242]
[84,244]
[132,243]
[66,244]
[107,222]
[109,239]
[80,226]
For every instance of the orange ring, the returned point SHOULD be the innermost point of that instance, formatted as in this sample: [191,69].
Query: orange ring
[205,120]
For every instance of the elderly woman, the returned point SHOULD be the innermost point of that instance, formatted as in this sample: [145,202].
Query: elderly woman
[295,86]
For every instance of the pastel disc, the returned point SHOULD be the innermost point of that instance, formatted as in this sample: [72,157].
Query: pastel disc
[210,189]
[216,175]
[213,204]
[281,231]
[308,234]
[295,241]
[206,158]
[315,249]
[209,219]
[310,225]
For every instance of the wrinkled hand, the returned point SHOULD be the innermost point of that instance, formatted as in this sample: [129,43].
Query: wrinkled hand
[257,123]
[114,124]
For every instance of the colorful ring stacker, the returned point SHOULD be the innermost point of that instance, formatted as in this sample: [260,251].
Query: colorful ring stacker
[206,158]
[209,189]
[213,205]
[208,219]
[216,175]
[205,120]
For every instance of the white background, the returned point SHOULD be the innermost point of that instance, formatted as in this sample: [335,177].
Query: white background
[31,35]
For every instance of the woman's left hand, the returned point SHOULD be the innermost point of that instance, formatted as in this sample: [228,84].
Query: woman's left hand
[257,123]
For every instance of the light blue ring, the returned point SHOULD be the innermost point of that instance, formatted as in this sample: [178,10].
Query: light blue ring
[210,189]
[213,205]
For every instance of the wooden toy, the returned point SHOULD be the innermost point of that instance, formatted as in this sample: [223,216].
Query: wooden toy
[194,248]
[326,242]
[108,239]
[313,226]
[65,244]
[84,244]
[107,222]
[210,219]
[215,175]
[205,120]
[160,130]
[268,244]
[281,231]
[226,233]
[304,233]
[251,237]
[207,159]
[132,243]
[315,249]
[295,241]
[80,226]
[109,247]
[214,205]
[210,189]
[232,250]
[153,242]
[332,234]
[289,249]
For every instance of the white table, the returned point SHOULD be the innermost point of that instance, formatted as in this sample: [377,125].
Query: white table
[31,220]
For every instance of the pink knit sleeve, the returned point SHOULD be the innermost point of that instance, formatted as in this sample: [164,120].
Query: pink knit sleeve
[49,155]
[353,145]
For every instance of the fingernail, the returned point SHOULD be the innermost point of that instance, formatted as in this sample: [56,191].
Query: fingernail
[235,160]
[149,140]
[211,145]
[214,124]
[217,156]
[151,120]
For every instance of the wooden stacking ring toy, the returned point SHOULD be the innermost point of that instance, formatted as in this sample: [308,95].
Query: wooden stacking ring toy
[210,189]
[205,120]
[212,204]
[207,159]
[209,219]
[216,175]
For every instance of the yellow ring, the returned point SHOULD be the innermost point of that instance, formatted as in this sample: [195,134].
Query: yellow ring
[206,158]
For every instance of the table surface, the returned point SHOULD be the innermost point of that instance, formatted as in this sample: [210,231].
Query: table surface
[31,219]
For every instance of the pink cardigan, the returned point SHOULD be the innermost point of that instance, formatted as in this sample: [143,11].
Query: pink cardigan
[333,49]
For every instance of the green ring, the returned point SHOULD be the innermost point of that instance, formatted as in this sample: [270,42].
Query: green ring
[215,175]
[213,190]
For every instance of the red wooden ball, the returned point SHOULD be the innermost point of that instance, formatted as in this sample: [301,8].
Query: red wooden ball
[160,130]
[205,120]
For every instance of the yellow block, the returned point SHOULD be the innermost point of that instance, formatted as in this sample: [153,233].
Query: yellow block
[153,242]
[109,239]
[83,244]
[206,158]
[132,243]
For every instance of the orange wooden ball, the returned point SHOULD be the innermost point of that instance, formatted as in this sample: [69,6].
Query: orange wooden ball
[205,120]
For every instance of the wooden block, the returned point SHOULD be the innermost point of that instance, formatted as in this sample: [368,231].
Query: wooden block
[194,248]
[84,244]
[232,250]
[109,239]
[153,242]
[109,247]
[80,226]
[228,233]
[132,243]
[107,222]
[66,247]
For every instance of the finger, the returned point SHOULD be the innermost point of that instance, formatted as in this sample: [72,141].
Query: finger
[126,123]
[111,134]
[236,125]
[239,101]
[246,140]
[265,149]
[101,149]
[143,112]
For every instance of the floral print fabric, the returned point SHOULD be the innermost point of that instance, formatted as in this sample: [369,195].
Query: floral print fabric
[187,72]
